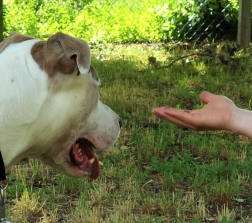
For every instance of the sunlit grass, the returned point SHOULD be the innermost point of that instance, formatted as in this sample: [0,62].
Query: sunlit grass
[155,172]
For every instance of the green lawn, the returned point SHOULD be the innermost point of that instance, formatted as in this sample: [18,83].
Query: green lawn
[155,172]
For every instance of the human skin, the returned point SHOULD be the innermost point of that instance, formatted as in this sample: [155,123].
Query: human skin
[219,113]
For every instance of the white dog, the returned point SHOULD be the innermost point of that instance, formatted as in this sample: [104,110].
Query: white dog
[49,105]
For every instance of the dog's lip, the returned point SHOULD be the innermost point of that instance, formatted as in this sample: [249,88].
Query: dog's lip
[83,157]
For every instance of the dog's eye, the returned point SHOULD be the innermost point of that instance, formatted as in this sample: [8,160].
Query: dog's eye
[78,71]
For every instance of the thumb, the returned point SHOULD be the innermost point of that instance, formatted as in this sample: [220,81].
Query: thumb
[206,96]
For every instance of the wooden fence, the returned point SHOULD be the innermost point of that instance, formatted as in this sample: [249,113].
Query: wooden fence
[244,24]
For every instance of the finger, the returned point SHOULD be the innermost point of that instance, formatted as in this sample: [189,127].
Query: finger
[158,110]
[178,113]
[191,117]
[195,119]
[161,113]
[177,122]
[206,97]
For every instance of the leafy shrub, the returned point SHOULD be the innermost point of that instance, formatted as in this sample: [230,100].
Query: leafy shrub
[121,21]
[190,19]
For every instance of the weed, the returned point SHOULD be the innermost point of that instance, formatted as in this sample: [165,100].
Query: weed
[156,172]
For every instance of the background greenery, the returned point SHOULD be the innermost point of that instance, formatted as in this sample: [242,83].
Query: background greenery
[123,21]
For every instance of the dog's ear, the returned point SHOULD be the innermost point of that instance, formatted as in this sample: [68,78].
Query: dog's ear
[78,49]
[13,38]
[62,53]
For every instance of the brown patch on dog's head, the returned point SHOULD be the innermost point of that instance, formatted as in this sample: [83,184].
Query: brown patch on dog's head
[13,38]
[62,53]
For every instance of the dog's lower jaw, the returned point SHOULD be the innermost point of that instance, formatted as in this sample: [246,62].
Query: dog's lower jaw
[81,155]
[63,164]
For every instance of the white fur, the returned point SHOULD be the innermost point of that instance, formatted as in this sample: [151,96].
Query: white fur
[42,116]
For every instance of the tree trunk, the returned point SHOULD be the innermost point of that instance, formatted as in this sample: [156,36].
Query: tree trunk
[1,20]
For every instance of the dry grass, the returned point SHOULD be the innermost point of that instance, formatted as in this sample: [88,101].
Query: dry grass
[155,172]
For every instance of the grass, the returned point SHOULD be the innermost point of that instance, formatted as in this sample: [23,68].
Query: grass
[156,172]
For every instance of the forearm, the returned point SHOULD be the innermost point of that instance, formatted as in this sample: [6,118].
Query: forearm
[241,122]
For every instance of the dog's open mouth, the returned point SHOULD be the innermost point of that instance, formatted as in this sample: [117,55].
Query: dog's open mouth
[82,156]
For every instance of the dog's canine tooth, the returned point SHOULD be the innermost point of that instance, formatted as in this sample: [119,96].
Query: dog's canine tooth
[92,160]
[88,173]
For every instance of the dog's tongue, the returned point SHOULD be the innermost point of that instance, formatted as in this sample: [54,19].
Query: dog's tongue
[86,159]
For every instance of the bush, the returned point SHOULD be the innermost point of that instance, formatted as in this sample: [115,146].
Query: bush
[121,21]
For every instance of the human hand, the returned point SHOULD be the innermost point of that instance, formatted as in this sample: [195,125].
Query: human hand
[215,115]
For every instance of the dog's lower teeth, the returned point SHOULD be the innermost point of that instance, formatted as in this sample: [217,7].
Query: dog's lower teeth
[92,160]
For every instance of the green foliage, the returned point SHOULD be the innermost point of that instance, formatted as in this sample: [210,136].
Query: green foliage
[188,20]
[121,21]
[225,220]
[195,220]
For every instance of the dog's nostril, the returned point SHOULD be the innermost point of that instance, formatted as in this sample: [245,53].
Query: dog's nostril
[120,121]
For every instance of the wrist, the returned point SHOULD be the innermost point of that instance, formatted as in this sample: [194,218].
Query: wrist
[233,123]
[241,122]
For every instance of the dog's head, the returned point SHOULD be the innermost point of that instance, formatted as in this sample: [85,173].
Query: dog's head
[50,106]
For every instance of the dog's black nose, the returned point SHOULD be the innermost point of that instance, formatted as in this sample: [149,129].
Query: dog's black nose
[120,121]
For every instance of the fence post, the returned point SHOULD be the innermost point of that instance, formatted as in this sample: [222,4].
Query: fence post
[1,20]
[244,24]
